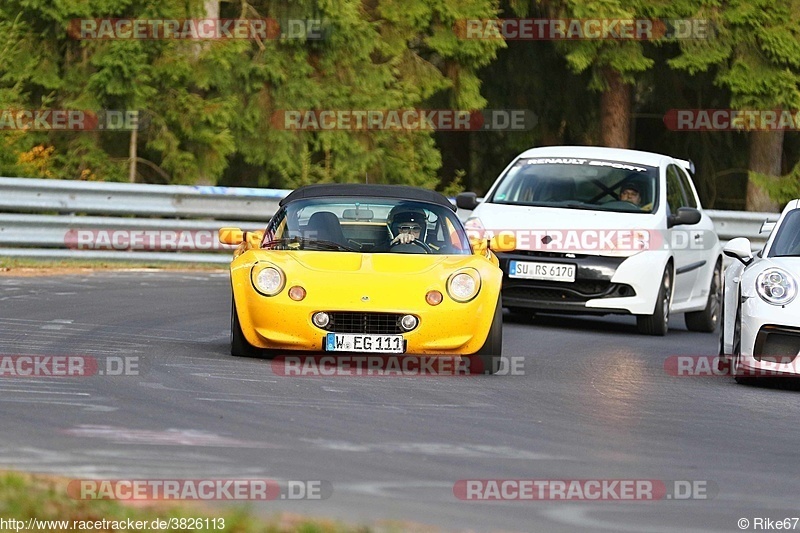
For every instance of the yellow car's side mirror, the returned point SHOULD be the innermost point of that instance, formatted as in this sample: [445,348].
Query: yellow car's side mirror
[505,241]
[234,236]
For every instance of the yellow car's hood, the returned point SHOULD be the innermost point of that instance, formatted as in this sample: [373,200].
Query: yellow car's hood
[379,263]
[340,279]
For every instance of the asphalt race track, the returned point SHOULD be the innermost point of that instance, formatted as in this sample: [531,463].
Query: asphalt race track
[595,402]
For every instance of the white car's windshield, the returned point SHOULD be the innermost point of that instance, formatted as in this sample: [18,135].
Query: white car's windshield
[580,184]
[787,240]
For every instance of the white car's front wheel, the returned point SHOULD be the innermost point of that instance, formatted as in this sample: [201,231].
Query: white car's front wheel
[723,362]
[738,370]
[658,323]
[706,320]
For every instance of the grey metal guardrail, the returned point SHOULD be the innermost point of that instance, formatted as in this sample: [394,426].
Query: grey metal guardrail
[97,220]
[732,224]
[141,221]
[183,201]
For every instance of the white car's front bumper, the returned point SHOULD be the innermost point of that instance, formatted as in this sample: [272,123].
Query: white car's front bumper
[770,338]
[624,285]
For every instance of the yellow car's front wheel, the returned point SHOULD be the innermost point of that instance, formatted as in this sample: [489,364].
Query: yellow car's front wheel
[492,349]
[239,345]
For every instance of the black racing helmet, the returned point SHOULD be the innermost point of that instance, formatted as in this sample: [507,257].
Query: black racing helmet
[407,214]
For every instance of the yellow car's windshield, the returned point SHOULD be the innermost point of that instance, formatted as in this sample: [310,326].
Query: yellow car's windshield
[366,225]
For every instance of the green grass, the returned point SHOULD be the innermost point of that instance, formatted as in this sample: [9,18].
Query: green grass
[9,264]
[25,496]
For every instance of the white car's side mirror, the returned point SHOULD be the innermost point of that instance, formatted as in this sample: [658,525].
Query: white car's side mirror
[467,200]
[739,248]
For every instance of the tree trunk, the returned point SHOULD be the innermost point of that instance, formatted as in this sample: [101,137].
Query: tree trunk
[133,154]
[766,150]
[212,8]
[615,111]
[212,12]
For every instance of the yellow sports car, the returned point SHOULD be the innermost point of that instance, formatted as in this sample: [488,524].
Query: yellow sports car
[373,269]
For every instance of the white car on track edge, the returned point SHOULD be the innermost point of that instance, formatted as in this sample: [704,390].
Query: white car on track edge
[760,333]
[603,230]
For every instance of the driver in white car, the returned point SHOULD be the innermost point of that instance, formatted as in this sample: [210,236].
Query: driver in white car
[630,193]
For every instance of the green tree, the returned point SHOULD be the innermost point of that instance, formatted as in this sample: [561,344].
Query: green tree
[383,55]
[755,53]
[187,136]
[613,64]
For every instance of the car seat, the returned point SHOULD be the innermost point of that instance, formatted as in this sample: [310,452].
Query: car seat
[325,226]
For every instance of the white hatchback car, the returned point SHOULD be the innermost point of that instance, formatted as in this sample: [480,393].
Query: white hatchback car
[603,230]
[760,333]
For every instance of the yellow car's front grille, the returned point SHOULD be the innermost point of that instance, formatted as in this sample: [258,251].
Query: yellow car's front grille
[373,323]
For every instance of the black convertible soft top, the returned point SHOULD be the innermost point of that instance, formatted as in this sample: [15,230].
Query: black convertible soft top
[403,192]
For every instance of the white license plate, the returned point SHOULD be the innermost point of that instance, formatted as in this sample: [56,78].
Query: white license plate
[347,342]
[542,271]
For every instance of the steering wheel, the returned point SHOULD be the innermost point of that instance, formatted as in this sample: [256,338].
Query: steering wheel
[416,243]
[622,204]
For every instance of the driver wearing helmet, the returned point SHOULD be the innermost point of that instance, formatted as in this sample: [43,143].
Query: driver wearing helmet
[407,226]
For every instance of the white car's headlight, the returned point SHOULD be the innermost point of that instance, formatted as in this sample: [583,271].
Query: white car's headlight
[267,279]
[776,286]
[464,285]
[474,227]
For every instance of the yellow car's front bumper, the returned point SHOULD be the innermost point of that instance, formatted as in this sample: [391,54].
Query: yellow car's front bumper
[365,283]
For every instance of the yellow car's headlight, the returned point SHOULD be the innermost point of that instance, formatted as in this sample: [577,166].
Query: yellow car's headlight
[464,285]
[267,278]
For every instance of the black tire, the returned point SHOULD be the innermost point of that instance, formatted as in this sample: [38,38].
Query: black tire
[737,348]
[706,321]
[239,345]
[723,361]
[658,323]
[492,349]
